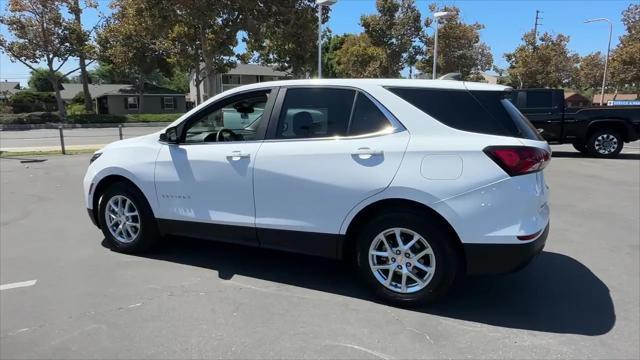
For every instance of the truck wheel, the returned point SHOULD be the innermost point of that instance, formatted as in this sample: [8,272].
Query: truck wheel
[581,147]
[605,143]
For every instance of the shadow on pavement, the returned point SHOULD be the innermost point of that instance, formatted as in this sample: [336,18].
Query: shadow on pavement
[555,293]
[572,154]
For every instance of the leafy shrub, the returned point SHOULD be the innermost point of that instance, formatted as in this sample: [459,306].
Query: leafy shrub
[152,117]
[96,119]
[30,118]
[76,109]
[32,101]
[78,98]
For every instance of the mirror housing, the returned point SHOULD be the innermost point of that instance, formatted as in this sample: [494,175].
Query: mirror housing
[170,135]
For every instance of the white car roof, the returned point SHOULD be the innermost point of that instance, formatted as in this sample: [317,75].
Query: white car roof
[437,84]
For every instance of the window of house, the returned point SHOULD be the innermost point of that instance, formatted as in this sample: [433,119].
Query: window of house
[132,102]
[315,113]
[168,103]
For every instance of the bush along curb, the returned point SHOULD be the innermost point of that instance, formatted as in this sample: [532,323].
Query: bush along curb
[9,127]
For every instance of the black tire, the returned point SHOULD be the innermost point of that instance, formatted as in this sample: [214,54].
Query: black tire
[446,257]
[596,151]
[582,148]
[147,235]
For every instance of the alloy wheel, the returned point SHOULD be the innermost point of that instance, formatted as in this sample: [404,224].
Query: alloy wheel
[606,144]
[122,219]
[402,260]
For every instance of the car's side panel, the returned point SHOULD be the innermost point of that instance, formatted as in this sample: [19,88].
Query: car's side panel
[310,185]
[117,159]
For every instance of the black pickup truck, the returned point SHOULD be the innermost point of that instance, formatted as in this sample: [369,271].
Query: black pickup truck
[598,131]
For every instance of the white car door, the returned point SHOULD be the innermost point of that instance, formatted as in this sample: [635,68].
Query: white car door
[204,183]
[329,149]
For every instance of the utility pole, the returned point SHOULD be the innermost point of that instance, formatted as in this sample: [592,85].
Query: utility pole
[535,26]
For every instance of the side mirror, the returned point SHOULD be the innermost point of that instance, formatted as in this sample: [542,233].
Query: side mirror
[170,135]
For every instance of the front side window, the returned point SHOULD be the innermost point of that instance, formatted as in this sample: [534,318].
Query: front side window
[132,102]
[233,120]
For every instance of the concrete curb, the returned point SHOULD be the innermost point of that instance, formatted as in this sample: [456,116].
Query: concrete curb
[18,127]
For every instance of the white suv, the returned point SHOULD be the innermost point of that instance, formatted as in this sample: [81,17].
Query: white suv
[417,180]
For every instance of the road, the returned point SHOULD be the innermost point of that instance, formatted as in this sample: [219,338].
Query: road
[189,299]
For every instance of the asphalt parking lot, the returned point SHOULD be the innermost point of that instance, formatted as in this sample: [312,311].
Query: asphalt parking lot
[579,299]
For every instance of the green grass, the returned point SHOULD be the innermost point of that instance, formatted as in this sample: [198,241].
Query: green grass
[10,154]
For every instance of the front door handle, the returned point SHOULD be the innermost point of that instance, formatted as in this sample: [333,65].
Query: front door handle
[237,155]
[368,152]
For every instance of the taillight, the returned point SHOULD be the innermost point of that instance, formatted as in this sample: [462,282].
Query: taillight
[519,160]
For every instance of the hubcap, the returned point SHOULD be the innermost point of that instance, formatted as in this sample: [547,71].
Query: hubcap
[122,219]
[606,144]
[402,260]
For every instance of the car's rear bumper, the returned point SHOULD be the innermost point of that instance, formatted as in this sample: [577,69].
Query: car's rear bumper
[502,258]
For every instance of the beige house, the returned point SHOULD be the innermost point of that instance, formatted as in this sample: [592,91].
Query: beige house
[8,88]
[121,99]
[242,74]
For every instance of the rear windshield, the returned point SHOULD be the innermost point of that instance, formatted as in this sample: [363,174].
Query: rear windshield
[485,112]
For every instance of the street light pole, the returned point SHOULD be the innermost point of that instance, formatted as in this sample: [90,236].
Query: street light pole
[320,4]
[437,16]
[606,59]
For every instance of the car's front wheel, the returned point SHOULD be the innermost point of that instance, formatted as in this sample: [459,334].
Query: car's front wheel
[406,258]
[126,219]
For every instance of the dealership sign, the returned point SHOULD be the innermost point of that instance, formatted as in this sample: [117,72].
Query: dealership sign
[623,103]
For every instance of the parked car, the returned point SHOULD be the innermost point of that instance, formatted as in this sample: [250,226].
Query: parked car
[418,181]
[598,131]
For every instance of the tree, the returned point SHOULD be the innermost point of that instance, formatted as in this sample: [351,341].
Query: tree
[282,32]
[547,63]
[416,52]
[394,29]
[331,44]
[83,49]
[106,73]
[358,58]
[625,60]
[130,43]
[202,36]
[459,46]
[39,80]
[40,34]
[590,71]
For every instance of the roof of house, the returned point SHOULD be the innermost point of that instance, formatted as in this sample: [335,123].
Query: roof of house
[568,94]
[69,90]
[97,90]
[607,97]
[255,69]
[149,90]
[11,86]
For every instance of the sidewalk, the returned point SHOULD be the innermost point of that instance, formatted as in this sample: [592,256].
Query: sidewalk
[86,147]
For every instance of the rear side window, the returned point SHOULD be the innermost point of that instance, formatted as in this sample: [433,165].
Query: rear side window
[485,112]
[538,99]
[367,118]
[315,112]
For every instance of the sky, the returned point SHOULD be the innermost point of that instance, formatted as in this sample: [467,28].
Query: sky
[505,21]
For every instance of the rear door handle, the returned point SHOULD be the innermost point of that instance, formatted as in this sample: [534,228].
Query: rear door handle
[365,151]
[237,155]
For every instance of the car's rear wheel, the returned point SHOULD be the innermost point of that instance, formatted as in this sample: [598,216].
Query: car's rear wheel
[126,218]
[605,143]
[405,258]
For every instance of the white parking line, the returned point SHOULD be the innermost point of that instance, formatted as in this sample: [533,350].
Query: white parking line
[18,285]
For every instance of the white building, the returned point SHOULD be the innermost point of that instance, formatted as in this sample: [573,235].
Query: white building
[242,74]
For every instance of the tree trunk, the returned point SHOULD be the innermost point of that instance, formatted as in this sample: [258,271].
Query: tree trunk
[197,82]
[56,88]
[140,101]
[88,104]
